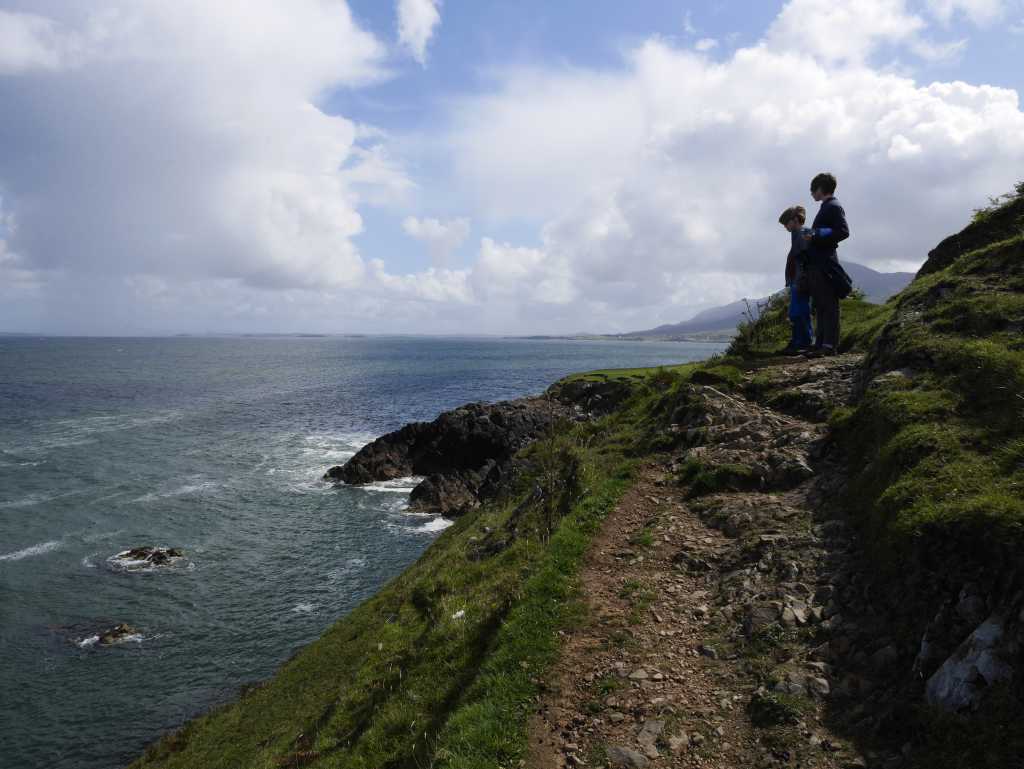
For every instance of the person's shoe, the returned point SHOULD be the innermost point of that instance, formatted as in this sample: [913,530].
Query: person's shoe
[819,352]
[789,350]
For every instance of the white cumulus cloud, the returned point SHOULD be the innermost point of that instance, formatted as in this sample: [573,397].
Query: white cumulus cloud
[442,237]
[648,208]
[417,20]
[980,12]
[190,142]
[844,30]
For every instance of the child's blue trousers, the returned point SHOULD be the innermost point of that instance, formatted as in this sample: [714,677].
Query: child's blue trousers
[800,316]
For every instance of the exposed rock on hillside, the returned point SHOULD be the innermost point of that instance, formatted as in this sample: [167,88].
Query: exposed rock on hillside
[464,453]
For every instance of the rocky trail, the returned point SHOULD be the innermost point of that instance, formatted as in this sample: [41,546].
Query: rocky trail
[730,623]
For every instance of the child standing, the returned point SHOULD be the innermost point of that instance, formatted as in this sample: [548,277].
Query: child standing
[793,219]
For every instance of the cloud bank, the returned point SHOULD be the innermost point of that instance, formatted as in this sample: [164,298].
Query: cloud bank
[671,198]
[167,166]
[189,142]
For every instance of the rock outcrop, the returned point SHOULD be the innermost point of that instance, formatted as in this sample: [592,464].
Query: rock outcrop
[117,634]
[145,557]
[464,454]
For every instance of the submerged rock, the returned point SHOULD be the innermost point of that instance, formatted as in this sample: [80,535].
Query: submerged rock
[117,634]
[89,635]
[145,557]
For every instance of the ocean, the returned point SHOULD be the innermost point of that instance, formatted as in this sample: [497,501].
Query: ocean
[215,446]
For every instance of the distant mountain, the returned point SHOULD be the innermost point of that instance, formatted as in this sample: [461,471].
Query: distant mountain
[877,287]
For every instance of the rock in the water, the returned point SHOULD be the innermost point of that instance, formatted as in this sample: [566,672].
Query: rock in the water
[145,557]
[626,758]
[117,634]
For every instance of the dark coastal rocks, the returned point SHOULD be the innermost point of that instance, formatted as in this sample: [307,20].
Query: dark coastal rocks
[92,635]
[145,557]
[117,634]
[592,397]
[449,495]
[464,453]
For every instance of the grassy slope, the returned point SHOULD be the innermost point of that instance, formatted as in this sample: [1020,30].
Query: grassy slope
[937,444]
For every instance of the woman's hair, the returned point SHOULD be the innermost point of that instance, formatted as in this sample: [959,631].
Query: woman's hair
[793,212]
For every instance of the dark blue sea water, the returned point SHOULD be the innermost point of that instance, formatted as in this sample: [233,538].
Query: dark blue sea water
[214,445]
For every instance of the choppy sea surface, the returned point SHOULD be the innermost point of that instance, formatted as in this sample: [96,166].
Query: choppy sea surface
[216,446]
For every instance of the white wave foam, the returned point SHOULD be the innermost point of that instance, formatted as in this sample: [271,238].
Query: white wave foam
[88,563]
[35,499]
[78,431]
[354,440]
[433,526]
[28,552]
[92,640]
[190,488]
[394,486]
[438,524]
[304,608]
[336,455]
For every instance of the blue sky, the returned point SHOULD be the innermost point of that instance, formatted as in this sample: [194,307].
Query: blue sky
[429,167]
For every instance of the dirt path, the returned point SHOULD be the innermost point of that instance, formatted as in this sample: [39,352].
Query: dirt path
[712,615]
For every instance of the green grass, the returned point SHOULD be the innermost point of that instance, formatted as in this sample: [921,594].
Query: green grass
[632,374]
[860,324]
[989,739]
[936,452]
[702,479]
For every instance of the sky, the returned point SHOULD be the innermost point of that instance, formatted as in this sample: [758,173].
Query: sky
[476,167]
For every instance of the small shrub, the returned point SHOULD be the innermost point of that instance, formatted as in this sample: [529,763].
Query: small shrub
[768,709]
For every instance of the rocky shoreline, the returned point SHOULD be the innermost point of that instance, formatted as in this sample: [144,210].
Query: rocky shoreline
[466,455]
